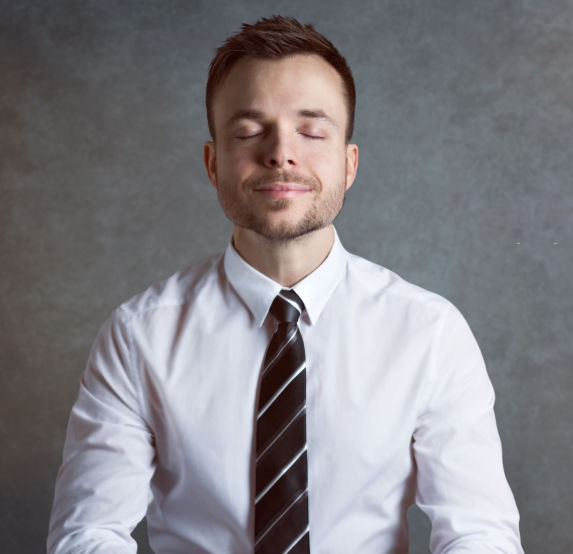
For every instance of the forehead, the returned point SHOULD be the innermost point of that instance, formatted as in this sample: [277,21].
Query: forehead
[295,83]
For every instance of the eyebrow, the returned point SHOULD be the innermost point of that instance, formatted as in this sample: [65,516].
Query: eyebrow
[317,114]
[258,115]
[245,114]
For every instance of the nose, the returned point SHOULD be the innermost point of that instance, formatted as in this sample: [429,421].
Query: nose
[280,150]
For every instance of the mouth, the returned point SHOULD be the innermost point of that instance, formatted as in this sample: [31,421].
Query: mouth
[282,190]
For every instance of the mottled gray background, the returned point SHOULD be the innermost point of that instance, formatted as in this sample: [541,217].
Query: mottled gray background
[465,124]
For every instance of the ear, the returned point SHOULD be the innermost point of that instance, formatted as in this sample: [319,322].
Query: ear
[351,164]
[209,159]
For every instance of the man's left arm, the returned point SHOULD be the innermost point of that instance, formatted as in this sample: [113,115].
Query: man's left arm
[461,482]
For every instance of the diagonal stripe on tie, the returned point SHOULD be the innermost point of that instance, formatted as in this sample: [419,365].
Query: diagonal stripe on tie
[280,505]
[278,539]
[271,461]
[278,388]
[300,545]
[281,411]
[281,498]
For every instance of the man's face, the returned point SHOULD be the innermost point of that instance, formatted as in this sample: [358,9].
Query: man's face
[279,161]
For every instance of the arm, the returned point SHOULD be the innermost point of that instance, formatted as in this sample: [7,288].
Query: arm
[461,483]
[103,484]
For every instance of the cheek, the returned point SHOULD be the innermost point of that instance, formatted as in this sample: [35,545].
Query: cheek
[228,166]
[235,160]
[328,165]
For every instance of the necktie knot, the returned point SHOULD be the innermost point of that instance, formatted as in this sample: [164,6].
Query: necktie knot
[287,306]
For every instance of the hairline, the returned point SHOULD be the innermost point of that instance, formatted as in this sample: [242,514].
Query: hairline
[218,84]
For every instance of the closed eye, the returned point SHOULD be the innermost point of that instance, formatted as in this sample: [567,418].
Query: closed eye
[314,132]
[249,136]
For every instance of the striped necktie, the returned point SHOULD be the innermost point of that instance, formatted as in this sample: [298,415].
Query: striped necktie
[281,499]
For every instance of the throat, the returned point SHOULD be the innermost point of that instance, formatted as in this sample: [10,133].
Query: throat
[285,261]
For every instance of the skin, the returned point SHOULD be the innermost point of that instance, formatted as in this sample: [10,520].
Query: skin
[280,161]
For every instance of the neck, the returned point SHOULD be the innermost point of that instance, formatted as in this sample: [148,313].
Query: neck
[285,262]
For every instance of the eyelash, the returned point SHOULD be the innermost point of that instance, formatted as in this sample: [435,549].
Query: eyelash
[247,137]
[306,135]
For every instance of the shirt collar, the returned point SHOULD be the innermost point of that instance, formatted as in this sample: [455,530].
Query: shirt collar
[258,291]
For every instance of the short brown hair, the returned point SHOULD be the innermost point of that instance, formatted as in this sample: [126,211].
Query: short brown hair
[275,38]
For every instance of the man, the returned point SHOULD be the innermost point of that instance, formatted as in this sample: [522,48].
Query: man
[392,403]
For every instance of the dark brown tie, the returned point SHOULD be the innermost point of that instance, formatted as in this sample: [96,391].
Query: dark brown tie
[281,499]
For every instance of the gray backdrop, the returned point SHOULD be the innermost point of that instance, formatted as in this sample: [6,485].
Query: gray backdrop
[465,124]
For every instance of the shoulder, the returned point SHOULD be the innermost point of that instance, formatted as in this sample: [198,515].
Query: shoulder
[178,290]
[381,287]
[407,311]
[381,281]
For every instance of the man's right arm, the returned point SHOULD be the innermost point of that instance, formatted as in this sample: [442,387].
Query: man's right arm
[102,488]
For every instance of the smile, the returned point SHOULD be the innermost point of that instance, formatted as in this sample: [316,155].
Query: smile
[282,190]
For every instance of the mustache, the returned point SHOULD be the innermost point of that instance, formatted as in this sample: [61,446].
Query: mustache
[282,176]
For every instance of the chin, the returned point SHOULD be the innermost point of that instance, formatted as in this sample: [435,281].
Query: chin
[287,231]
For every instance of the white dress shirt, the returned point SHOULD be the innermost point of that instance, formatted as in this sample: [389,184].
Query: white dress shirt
[399,409]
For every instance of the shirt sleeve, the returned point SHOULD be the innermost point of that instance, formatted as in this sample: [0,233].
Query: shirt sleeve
[461,482]
[102,488]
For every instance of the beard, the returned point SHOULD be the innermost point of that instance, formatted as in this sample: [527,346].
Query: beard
[243,212]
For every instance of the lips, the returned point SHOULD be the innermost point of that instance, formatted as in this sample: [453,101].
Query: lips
[283,187]
[282,190]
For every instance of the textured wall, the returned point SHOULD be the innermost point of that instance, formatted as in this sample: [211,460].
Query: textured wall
[465,125]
